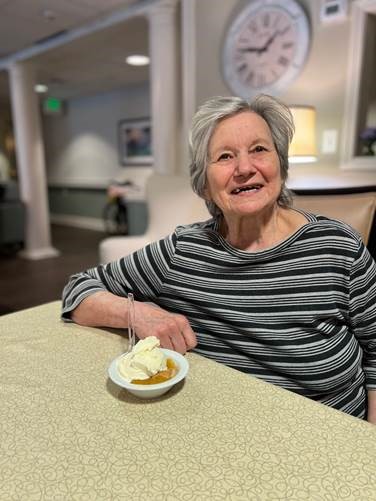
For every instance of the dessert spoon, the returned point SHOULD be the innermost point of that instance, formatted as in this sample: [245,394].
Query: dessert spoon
[131,329]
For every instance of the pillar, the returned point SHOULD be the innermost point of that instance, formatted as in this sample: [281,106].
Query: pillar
[30,161]
[188,57]
[164,78]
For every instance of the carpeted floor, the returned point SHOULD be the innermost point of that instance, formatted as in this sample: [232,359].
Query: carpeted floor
[25,283]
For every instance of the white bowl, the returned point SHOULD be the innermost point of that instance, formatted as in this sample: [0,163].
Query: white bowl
[150,390]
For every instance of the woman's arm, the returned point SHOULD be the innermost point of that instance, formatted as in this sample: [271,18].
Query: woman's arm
[98,297]
[142,273]
[106,309]
[363,319]
[102,309]
[371,415]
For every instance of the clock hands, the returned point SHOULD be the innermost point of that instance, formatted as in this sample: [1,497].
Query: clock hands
[258,50]
[264,48]
[270,41]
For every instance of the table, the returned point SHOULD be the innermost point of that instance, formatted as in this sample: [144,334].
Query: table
[68,433]
[321,176]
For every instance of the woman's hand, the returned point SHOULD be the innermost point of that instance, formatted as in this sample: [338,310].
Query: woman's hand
[172,330]
[103,309]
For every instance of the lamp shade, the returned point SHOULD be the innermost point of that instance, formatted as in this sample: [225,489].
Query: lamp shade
[303,145]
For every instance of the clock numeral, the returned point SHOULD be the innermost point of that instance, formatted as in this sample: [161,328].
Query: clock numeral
[285,30]
[276,21]
[261,80]
[250,77]
[283,61]
[241,68]
[287,45]
[252,27]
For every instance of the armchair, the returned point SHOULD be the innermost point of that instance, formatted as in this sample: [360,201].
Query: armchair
[354,208]
[170,201]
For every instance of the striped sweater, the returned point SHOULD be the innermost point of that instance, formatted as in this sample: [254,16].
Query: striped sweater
[301,315]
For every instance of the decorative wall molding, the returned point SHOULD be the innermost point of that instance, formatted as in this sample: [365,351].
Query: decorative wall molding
[88,223]
[83,183]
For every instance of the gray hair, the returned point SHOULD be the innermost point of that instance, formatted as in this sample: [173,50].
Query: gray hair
[276,114]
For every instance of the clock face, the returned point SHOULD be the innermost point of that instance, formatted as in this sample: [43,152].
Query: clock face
[266,47]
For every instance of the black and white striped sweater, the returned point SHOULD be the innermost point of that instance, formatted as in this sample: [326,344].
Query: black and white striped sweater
[301,315]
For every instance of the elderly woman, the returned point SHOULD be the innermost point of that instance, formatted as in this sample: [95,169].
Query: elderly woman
[284,295]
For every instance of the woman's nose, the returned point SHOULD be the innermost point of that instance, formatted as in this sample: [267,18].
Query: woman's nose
[244,164]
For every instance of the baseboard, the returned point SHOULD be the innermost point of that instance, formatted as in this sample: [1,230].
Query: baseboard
[89,223]
[40,253]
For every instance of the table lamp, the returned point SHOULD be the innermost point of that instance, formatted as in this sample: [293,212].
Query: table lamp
[303,145]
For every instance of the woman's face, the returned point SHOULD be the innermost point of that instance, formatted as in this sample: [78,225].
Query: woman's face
[243,175]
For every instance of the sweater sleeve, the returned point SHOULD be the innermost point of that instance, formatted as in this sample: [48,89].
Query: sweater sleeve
[363,310]
[142,273]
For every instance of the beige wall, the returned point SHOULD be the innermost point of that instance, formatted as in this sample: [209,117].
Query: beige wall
[321,83]
[82,145]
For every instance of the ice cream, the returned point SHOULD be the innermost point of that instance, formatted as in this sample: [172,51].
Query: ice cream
[144,361]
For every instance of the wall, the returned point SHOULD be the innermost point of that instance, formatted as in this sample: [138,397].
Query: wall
[88,208]
[321,83]
[81,150]
[81,146]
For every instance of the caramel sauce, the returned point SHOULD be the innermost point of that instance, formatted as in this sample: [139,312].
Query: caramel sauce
[160,377]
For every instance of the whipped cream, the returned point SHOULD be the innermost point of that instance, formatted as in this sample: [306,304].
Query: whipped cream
[145,360]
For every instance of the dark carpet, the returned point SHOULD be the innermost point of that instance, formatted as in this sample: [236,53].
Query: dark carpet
[25,283]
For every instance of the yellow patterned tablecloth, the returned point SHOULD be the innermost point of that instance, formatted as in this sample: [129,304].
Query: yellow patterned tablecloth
[68,433]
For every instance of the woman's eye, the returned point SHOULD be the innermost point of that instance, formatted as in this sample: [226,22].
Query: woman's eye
[224,156]
[258,149]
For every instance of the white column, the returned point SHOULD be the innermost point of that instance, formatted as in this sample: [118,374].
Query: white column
[30,161]
[164,80]
[188,57]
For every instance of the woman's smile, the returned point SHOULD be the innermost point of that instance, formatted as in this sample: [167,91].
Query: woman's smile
[246,189]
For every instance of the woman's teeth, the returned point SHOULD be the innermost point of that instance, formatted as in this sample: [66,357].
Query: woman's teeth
[246,188]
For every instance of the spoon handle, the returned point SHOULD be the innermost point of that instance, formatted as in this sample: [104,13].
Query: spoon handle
[131,322]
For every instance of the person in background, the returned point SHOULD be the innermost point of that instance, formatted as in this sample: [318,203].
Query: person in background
[278,293]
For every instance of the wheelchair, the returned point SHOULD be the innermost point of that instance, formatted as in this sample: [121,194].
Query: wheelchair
[115,212]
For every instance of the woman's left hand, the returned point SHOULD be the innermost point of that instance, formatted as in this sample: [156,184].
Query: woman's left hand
[173,330]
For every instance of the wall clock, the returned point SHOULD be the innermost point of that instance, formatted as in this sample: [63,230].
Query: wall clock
[266,47]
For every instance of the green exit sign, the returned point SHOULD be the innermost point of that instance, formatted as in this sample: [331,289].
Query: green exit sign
[52,106]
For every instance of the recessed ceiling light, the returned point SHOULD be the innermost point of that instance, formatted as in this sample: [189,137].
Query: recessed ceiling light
[40,88]
[137,60]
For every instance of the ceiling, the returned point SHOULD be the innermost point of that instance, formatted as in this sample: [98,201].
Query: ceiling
[87,65]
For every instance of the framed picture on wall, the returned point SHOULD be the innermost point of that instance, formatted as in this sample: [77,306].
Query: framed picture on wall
[135,142]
